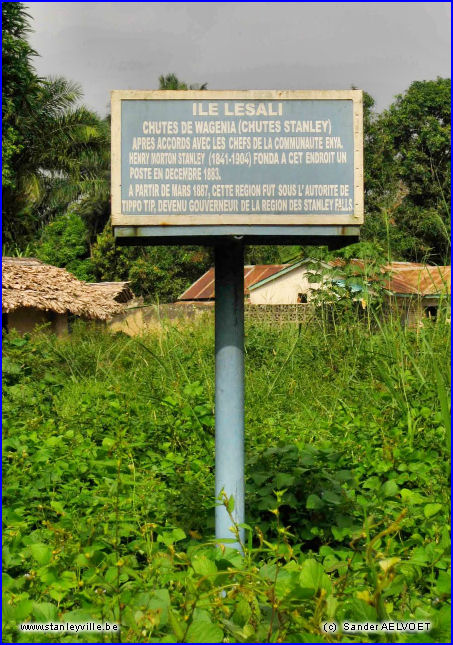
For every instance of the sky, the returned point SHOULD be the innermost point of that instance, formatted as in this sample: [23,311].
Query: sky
[380,47]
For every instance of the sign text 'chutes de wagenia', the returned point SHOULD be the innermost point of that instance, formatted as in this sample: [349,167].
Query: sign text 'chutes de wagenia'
[187,158]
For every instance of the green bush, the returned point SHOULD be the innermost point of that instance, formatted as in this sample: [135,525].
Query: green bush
[64,243]
[109,475]
[159,273]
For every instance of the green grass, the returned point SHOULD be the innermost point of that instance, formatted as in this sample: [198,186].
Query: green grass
[109,476]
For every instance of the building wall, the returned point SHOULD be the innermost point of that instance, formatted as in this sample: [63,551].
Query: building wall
[60,325]
[412,310]
[284,290]
[129,322]
[26,319]
[139,320]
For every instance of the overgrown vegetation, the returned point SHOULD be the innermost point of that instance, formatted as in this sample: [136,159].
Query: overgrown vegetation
[108,490]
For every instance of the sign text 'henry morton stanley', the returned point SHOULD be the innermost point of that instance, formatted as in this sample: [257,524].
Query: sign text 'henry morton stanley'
[249,157]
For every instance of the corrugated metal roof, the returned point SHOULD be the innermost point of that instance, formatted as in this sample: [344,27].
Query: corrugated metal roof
[411,278]
[339,262]
[422,280]
[408,278]
[259,272]
[204,287]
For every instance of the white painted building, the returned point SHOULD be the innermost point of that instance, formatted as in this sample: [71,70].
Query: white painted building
[289,286]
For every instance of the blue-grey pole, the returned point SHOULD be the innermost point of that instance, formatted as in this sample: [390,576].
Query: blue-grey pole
[229,384]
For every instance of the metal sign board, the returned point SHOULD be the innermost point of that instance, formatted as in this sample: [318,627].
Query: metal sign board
[219,162]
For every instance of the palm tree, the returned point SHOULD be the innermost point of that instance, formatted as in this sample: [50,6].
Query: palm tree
[171,82]
[64,156]
[54,151]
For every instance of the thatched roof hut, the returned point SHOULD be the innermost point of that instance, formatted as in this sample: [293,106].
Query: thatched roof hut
[30,284]
[119,291]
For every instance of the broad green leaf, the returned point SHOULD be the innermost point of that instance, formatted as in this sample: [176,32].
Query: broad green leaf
[111,575]
[358,610]
[68,579]
[41,553]
[23,610]
[344,475]
[44,612]
[48,575]
[431,509]
[230,504]
[57,506]
[267,571]
[177,625]
[389,488]
[331,606]
[77,616]
[7,581]
[201,631]
[443,583]
[331,497]
[388,563]
[57,594]
[82,561]
[160,602]
[52,441]
[340,533]
[243,525]
[314,502]
[178,534]
[242,612]
[259,478]
[10,368]
[203,565]
[312,576]
[201,615]
[108,443]
[284,480]
[419,557]
[286,582]
[411,497]
[166,538]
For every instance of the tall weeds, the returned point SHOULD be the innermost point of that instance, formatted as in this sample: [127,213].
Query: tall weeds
[109,480]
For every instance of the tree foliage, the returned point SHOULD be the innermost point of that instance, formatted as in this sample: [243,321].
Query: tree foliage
[64,243]
[19,83]
[172,82]
[155,272]
[56,150]
[407,173]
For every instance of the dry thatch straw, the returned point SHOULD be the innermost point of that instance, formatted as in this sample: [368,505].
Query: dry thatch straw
[27,282]
[119,291]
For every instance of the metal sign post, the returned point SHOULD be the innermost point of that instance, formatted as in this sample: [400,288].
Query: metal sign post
[229,385]
[226,169]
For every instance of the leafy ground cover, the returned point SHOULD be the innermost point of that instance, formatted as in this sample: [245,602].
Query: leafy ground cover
[108,458]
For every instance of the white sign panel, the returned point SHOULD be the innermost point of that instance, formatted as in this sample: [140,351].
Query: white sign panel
[255,158]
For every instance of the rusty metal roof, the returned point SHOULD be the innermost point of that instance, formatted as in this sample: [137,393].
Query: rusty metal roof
[411,278]
[339,262]
[421,280]
[407,278]
[203,288]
